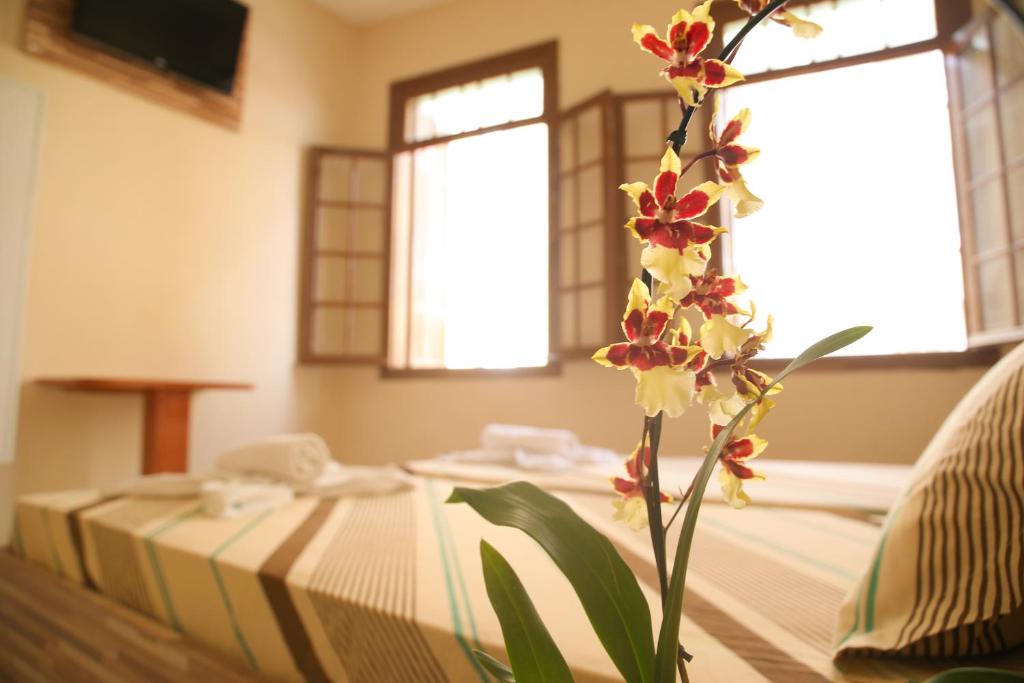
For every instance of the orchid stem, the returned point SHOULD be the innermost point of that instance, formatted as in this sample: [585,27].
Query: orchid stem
[682,501]
[652,495]
[652,425]
[702,155]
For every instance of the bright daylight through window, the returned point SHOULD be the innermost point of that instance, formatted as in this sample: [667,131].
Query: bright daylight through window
[470,251]
[862,223]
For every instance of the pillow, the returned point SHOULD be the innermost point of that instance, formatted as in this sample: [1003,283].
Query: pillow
[947,576]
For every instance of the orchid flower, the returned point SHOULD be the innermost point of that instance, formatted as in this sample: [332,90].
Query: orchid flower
[719,336]
[688,35]
[729,156]
[722,407]
[801,27]
[665,380]
[734,458]
[711,293]
[631,507]
[674,269]
[664,219]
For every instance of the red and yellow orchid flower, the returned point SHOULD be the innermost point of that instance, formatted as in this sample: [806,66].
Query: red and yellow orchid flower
[674,268]
[734,458]
[712,294]
[643,324]
[688,35]
[801,27]
[719,336]
[665,381]
[632,507]
[752,385]
[664,219]
[722,406]
[729,156]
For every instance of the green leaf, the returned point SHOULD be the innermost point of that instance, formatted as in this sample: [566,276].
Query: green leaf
[976,675]
[668,638]
[531,650]
[823,348]
[606,587]
[494,667]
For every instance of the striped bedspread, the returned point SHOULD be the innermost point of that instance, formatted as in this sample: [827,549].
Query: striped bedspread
[384,589]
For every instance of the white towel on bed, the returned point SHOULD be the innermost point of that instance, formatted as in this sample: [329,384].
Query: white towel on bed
[500,438]
[297,459]
[531,448]
[338,481]
[232,498]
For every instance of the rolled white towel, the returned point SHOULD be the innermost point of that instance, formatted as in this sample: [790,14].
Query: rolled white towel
[232,498]
[294,458]
[512,439]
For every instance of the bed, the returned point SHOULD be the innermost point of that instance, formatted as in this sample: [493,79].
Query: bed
[389,588]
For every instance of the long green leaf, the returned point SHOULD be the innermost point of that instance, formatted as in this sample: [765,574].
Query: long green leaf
[976,675]
[824,347]
[494,667]
[531,650]
[606,586]
[668,638]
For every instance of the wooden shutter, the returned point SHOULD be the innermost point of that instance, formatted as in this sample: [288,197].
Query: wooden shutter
[345,257]
[587,248]
[985,68]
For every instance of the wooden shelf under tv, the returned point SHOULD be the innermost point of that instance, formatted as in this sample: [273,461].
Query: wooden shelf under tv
[47,35]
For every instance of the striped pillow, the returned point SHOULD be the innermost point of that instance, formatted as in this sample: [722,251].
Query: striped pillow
[946,578]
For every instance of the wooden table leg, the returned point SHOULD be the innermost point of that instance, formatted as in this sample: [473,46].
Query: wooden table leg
[165,436]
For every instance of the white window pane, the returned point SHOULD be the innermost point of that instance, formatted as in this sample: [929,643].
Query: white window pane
[851,27]
[908,21]
[856,27]
[479,286]
[497,280]
[850,234]
[490,102]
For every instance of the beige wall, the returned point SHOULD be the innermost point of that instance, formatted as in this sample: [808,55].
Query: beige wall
[166,246]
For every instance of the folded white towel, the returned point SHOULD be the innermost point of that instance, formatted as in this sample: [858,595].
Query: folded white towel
[294,458]
[338,481]
[232,498]
[513,438]
[531,448]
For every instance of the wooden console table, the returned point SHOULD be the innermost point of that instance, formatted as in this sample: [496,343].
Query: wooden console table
[165,435]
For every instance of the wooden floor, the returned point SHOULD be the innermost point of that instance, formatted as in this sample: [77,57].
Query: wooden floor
[52,630]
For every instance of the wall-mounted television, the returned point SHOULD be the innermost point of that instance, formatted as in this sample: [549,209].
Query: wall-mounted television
[198,39]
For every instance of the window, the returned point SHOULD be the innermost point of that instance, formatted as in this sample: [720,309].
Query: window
[861,226]
[472,182]
[986,72]
[589,241]
[506,246]
[344,255]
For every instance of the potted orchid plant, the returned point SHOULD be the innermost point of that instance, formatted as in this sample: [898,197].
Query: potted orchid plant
[674,367]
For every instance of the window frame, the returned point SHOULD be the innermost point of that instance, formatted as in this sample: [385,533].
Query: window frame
[311,252]
[543,56]
[613,262]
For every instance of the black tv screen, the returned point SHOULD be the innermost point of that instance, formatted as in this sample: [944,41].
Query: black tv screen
[198,39]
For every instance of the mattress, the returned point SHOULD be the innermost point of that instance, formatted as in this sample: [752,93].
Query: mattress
[390,588]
